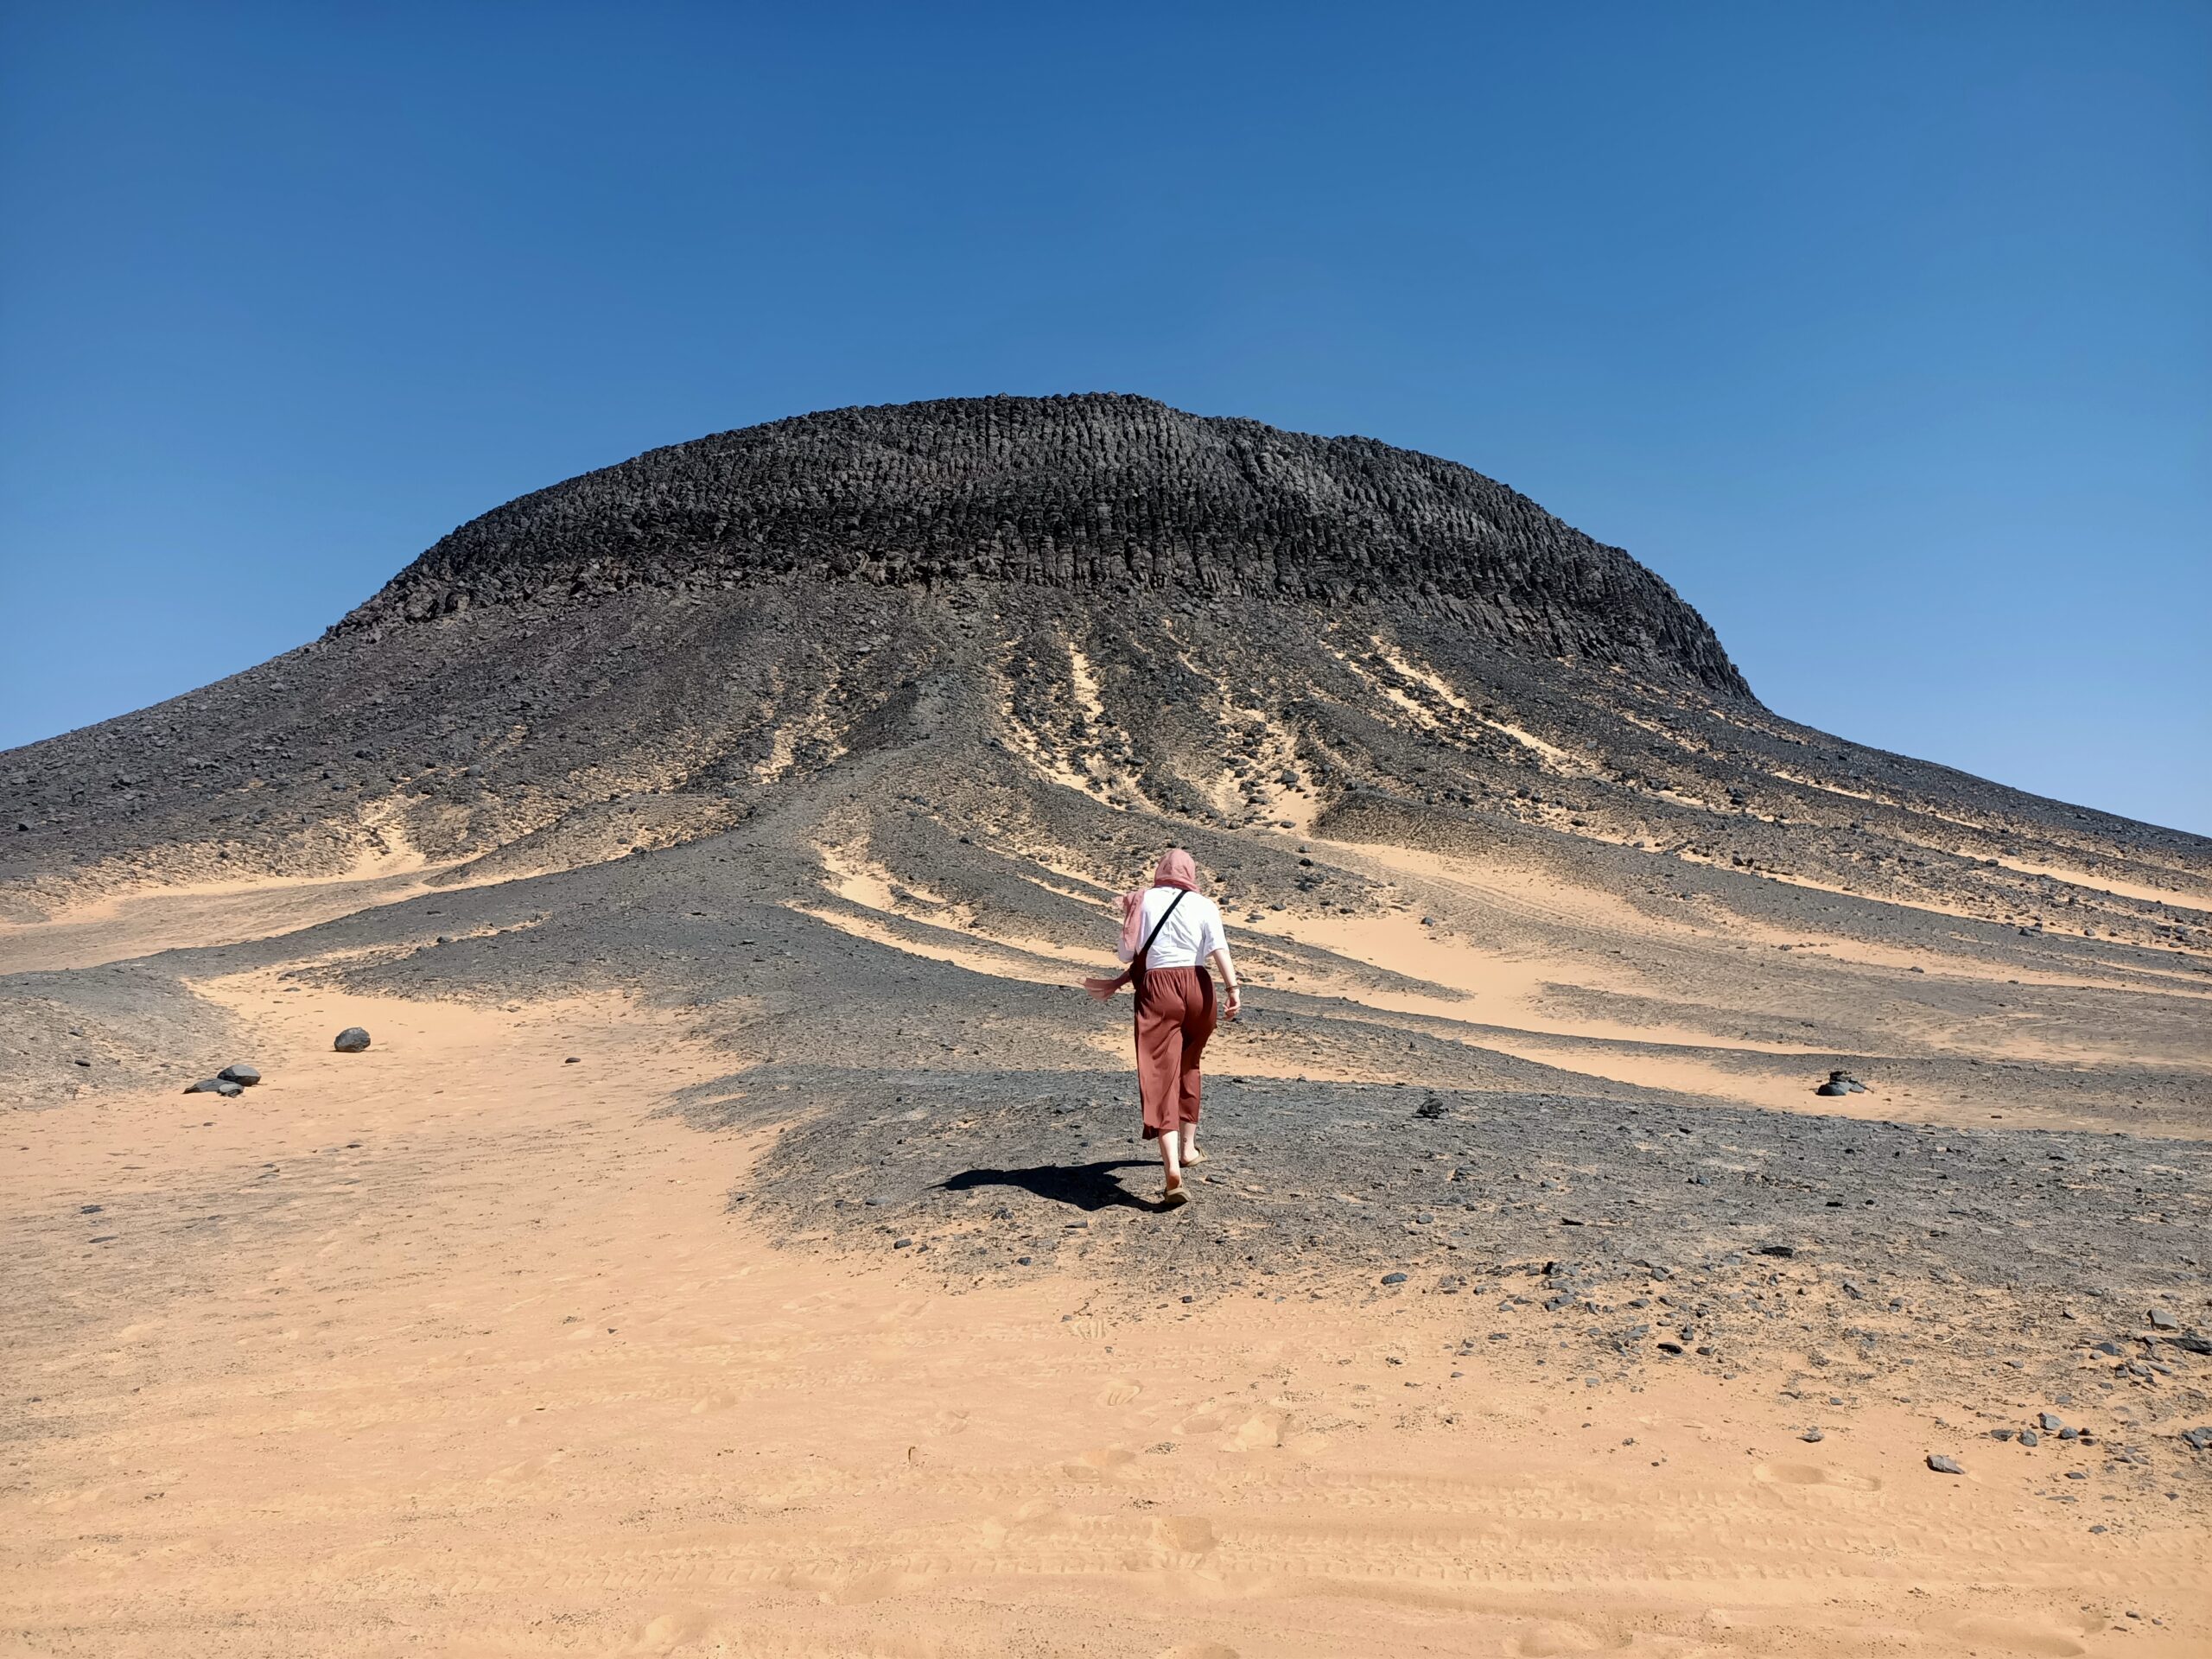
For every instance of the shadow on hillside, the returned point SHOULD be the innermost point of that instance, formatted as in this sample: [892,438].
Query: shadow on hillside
[1081,1186]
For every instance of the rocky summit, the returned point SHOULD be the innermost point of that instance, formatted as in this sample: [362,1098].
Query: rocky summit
[1110,496]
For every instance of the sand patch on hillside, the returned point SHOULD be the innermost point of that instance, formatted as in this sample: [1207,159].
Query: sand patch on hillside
[2185,892]
[138,923]
[452,1346]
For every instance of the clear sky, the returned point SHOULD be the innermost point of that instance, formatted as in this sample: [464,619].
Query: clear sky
[1881,331]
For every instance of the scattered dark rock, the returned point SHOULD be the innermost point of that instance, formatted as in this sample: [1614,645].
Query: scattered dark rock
[2029,1437]
[1783,1250]
[222,1086]
[1812,1437]
[2162,1321]
[245,1076]
[351,1040]
[1430,1108]
[1943,1466]
[2198,1440]
[1394,1278]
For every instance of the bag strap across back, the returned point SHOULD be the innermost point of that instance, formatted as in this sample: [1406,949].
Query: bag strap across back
[1137,961]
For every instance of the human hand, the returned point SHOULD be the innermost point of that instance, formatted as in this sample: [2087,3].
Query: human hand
[1231,1000]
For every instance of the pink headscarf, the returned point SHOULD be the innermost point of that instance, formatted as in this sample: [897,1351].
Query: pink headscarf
[1177,868]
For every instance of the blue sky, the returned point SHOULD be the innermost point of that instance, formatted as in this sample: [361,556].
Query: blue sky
[1880,331]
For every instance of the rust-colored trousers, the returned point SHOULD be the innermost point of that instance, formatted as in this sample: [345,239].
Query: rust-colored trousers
[1174,1019]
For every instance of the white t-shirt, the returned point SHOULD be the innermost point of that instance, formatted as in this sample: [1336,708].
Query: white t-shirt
[1193,933]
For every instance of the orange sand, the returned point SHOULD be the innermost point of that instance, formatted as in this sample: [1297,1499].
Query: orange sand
[510,1377]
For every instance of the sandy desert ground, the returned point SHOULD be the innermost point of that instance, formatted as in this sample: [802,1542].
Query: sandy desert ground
[461,1346]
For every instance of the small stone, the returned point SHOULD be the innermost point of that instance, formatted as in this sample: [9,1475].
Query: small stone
[2198,1440]
[572,1059]
[90,1209]
[222,1086]
[245,1076]
[351,1040]
[2050,1421]
[2029,1437]
[2162,1321]
[1812,1437]
[900,1243]
[1394,1278]
[1833,1089]
[2001,1434]
[1782,1250]
[1943,1466]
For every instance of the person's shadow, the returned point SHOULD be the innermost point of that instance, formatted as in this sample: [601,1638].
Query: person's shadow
[1080,1186]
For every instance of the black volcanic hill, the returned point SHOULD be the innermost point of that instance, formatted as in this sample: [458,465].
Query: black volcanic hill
[833,737]
[1097,493]
[1064,612]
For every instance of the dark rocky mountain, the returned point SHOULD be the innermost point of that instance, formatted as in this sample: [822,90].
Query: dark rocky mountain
[1096,495]
[836,735]
[1209,620]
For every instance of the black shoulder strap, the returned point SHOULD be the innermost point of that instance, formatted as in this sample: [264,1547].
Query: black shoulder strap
[1181,893]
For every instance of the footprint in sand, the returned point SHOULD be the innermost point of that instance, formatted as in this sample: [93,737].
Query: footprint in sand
[1099,1460]
[1186,1535]
[1813,1474]
[1556,1637]
[2018,1636]
[1120,1392]
[666,1631]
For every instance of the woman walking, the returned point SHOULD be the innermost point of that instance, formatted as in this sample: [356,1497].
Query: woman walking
[1169,933]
